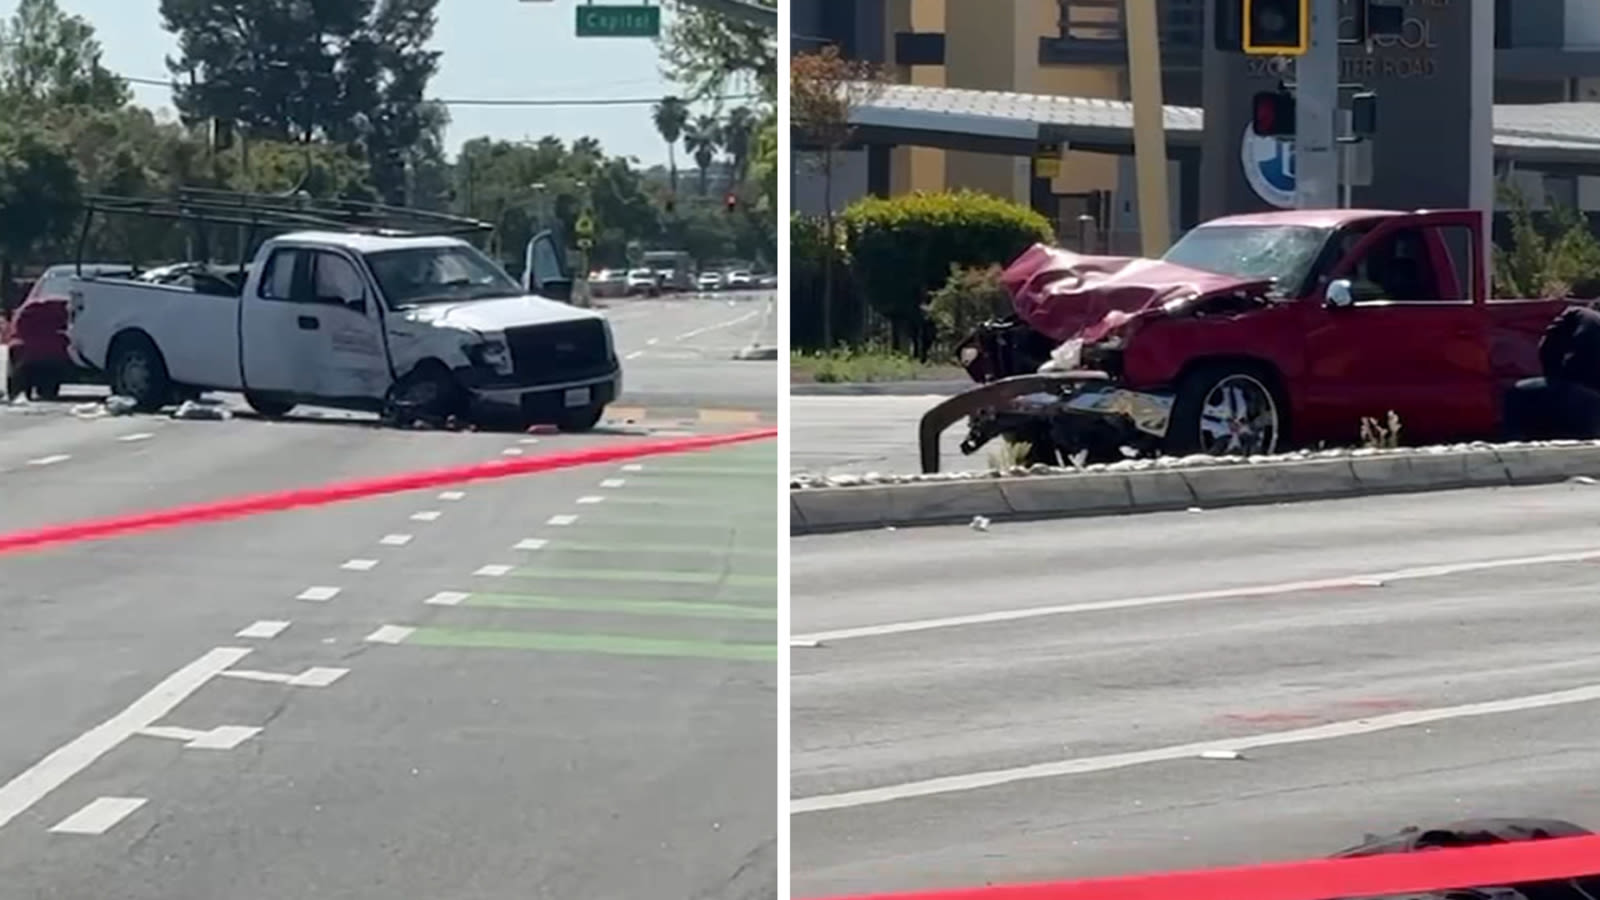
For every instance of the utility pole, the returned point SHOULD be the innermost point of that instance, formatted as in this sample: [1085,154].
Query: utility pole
[1316,145]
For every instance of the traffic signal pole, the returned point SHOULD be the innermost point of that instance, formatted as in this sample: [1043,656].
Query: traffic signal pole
[1316,149]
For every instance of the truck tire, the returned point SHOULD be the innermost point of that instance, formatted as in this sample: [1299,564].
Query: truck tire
[46,385]
[268,406]
[429,393]
[1227,409]
[136,370]
[582,420]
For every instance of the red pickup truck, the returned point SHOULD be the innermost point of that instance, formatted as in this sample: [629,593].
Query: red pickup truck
[1254,334]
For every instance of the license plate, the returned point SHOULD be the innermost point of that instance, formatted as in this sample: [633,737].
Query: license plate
[576,397]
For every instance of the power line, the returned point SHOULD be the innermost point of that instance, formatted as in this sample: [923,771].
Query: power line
[515,102]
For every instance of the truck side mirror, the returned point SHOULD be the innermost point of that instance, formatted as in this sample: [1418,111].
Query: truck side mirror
[1340,295]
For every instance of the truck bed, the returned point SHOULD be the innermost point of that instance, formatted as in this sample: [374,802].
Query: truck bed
[198,334]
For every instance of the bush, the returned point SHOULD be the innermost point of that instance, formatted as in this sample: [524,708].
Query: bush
[969,298]
[902,249]
[807,243]
[1556,255]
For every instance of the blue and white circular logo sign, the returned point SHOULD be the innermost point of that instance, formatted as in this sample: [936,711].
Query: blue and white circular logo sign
[1269,167]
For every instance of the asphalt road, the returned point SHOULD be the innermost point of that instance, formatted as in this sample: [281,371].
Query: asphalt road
[676,352]
[554,685]
[839,435]
[1039,701]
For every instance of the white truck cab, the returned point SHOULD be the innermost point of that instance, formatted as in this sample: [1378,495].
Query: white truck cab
[359,321]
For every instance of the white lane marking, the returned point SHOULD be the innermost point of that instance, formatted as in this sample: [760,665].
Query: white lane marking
[512,451]
[1374,579]
[613,482]
[316,676]
[589,500]
[447,598]
[494,571]
[139,436]
[531,544]
[319,593]
[50,460]
[264,629]
[44,776]
[1089,764]
[395,540]
[223,737]
[99,816]
[562,520]
[390,634]
[634,355]
[719,326]
[427,515]
[528,441]
[674,433]
[360,565]
[652,342]
[452,495]
[633,467]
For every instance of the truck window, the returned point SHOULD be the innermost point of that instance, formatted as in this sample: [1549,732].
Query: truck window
[337,280]
[450,274]
[277,279]
[1400,268]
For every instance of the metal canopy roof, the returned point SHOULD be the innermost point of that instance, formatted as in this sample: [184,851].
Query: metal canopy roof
[1006,122]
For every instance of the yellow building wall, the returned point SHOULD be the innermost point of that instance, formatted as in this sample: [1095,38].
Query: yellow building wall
[916,168]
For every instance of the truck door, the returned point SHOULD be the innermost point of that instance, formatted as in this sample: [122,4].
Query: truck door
[545,273]
[1413,341]
[280,331]
[354,365]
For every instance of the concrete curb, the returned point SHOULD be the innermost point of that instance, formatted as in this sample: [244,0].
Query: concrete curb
[837,509]
[879,388]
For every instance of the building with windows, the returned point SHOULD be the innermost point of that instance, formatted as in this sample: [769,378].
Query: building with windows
[1547,51]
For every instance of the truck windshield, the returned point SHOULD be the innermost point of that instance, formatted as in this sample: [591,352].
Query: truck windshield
[422,275]
[1282,252]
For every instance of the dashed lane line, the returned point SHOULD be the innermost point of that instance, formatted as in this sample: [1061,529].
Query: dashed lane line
[265,630]
[318,594]
[360,565]
[99,816]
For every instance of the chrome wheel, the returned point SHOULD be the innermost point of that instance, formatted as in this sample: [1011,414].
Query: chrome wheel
[1239,417]
[134,377]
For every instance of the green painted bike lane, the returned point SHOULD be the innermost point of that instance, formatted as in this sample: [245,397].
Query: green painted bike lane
[677,560]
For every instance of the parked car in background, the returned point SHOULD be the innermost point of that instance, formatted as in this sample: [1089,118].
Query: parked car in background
[38,362]
[608,283]
[767,282]
[709,281]
[740,280]
[642,283]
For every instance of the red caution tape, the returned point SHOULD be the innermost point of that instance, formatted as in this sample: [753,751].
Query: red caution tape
[35,539]
[1321,879]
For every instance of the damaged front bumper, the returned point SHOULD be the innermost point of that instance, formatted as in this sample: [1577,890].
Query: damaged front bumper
[1070,404]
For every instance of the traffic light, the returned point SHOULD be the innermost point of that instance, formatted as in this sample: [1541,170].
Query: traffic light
[1364,115]
[1276,27]
[671,204]
[1272,114]
[730,202]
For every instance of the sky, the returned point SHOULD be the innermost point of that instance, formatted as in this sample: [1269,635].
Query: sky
[492,49]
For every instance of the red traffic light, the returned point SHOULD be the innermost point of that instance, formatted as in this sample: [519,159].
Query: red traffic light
[731,202]
[1272,114]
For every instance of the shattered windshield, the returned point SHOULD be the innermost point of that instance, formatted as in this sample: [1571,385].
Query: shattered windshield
[439,275]
[1282,252]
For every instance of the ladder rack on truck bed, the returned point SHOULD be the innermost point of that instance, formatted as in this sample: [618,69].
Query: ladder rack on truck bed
[279,212]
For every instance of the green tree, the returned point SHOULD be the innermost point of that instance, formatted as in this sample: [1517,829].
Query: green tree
[713,54]
[671,115]
[703,139]
[39,195]
[353,72]
[49,59]
[765,165]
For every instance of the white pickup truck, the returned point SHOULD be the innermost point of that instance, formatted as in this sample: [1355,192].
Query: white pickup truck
[358,321]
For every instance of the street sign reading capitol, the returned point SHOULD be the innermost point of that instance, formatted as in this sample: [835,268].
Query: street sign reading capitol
[1421,156]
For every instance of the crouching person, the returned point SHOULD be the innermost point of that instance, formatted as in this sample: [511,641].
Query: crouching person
[1564,404]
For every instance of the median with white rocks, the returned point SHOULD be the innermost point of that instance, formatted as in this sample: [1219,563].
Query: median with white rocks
[822,504]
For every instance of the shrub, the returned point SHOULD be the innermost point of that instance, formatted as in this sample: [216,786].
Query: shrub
[806,261]
[1556,257]
[969,297]
[902,248]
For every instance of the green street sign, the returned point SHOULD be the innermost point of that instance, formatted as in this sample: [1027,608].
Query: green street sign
[619,21]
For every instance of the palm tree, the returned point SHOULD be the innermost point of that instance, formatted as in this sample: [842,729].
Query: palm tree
[737,134]
[703,140]
[671,115]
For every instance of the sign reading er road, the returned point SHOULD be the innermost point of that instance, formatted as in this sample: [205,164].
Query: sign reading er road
[619,21]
